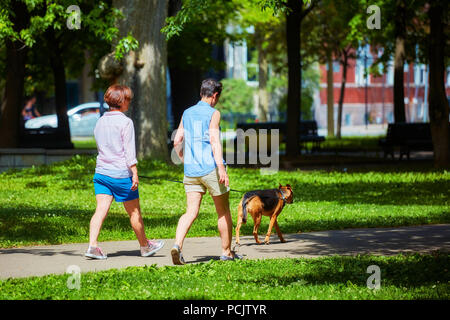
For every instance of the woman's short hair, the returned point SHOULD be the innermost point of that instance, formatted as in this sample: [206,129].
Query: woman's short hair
[209,87]
[116,95]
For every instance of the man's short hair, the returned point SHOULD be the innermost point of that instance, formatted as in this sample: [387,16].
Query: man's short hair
[209,87]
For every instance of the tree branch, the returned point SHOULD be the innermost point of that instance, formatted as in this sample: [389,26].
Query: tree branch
[309,9]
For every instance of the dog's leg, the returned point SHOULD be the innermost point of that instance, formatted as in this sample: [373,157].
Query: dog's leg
[257,220]
[269,231]
[280,235]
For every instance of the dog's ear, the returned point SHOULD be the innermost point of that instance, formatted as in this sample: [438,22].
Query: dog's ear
[279,187]
[289,186]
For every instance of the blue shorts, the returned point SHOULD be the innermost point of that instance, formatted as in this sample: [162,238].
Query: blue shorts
[119,188]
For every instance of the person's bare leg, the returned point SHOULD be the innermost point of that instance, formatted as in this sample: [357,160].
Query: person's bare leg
[133,209]
[224,222]
[103,204]
[193,201]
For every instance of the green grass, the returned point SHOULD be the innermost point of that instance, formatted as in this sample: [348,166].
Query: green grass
[347,143]
[88,143]
[356,143]
[54,204]
[402,277]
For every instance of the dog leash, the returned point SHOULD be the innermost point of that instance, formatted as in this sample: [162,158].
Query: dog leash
[177,181]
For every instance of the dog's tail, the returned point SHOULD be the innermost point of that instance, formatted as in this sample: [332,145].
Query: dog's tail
[247,197]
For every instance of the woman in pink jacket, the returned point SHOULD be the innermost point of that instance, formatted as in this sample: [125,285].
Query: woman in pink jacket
[116,174]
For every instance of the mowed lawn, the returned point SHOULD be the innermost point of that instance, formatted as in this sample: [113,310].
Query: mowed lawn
[54,204]
[401,277]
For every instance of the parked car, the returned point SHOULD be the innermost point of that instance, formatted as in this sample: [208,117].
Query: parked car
[82,119]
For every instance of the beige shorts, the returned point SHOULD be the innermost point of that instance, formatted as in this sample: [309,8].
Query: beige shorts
[208,182]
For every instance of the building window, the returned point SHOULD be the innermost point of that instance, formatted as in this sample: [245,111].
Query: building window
[419,109]
[363,61]
[348,119]
[336,66]
[390,75]
[390,117]
[420,74]
[405,67]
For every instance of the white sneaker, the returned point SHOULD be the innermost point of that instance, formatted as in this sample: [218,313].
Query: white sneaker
[151,248]
[95,253]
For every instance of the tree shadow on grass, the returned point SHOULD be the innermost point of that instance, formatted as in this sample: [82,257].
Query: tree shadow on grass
[409,271]
[203,259]
[385,241]
[308,225]
[379,193]
[55,226]
[40,252]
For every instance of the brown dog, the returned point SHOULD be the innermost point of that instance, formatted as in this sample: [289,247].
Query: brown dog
[263,203]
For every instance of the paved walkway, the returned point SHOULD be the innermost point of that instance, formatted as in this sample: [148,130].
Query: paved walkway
[44,260]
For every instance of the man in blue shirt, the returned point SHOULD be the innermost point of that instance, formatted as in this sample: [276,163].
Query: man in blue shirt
[197,143]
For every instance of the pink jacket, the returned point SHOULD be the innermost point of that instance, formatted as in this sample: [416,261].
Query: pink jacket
[114,135]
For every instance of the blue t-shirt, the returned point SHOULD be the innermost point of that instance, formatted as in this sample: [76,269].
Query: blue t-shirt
[198,155]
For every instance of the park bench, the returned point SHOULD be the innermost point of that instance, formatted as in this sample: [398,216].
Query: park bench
[406,137]
[48,138]
[307,131]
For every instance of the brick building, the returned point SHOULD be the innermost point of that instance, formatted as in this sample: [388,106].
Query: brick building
[374,104]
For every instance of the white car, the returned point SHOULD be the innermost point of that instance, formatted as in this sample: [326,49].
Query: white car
[82,119]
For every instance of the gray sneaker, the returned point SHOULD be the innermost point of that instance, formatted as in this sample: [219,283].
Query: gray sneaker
[235,257]
[177,256]
[151,248]
[95,253]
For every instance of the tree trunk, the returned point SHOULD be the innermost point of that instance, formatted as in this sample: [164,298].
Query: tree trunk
[263,69]
[341,97]
[185,80]
[399,62]
[12,102]
[330,96]
[185,87]
[438,104]
[293,27]
[59,76]
[145,73]
[2,96]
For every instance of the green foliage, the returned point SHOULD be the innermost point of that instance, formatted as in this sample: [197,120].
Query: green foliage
[193,31]
[191,9]
[125,45]
[403,277]
[416,31]
[97,33]
[54,204]
[310,83]
[236,97]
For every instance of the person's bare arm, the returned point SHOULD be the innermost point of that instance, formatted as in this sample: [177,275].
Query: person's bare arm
[216,145]
[178,141]
[135,178]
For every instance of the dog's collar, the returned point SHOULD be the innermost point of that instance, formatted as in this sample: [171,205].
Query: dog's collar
[282,196]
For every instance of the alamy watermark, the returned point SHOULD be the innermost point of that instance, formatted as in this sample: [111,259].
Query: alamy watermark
[74,281]
[259,146]
[374,20]
[374,281]
[74,20]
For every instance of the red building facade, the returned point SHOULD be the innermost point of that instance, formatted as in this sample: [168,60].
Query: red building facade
[371,99]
